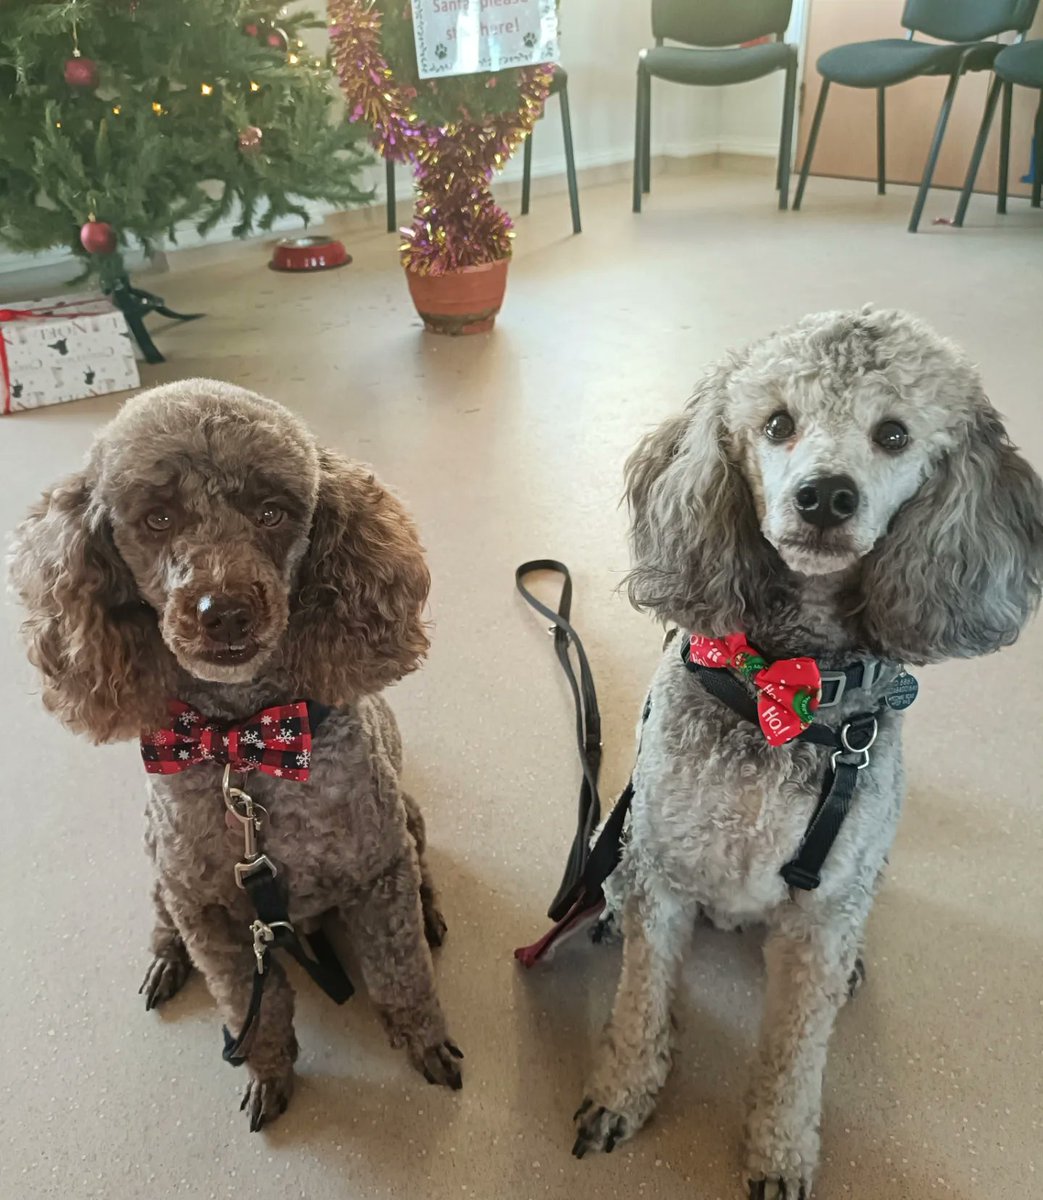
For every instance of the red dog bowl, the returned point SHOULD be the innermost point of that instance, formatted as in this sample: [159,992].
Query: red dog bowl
[309,254]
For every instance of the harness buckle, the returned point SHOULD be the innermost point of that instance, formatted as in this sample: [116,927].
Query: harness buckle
[838,681]
[245,871]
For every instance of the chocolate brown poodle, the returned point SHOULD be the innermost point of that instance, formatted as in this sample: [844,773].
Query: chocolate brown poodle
[212,554]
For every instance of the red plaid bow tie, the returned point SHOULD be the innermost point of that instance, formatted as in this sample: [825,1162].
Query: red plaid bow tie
[788,691]
[276,741]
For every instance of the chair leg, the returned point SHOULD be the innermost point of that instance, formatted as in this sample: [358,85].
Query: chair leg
[1037,157]
[570,159]
[932,157]
[639,125]
[392,207]
[979,150]
[646,134]
[1002,185]
[526,173]
[816,124]
[789,104]
[881,141]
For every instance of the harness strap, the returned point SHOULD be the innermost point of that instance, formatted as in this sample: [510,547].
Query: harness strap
[588,728]
[273,929]
[850,745]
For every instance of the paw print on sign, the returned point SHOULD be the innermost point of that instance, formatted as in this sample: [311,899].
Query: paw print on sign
[530,40]
[441,51]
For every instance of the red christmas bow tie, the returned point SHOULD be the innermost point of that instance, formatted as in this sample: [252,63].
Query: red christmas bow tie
[276,741]
[788,691]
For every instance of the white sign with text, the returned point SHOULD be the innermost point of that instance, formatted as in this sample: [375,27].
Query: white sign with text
[463,37]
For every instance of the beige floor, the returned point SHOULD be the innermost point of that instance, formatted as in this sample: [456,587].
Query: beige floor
[510,446]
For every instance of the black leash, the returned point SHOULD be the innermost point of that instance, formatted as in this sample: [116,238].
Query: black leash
[273,929]
[588,730]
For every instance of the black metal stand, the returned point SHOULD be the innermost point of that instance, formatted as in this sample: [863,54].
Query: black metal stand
[136,304]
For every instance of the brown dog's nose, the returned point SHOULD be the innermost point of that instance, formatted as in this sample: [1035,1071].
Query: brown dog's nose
[225,618]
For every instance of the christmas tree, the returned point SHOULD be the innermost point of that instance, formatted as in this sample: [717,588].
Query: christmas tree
[120,119]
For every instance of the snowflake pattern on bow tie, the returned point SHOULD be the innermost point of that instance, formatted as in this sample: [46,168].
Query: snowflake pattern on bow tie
[276,741]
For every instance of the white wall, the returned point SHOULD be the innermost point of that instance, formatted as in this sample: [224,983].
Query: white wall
[599,47]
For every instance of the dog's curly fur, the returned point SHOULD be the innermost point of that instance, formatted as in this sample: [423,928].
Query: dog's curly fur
[328,567]
[944,558]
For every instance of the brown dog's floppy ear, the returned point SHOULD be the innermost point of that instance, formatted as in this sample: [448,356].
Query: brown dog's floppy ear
[699,559]
[355,621]
[960,570]
[94,643]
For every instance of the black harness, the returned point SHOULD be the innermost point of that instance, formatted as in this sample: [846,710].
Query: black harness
[272,929]
[590,862]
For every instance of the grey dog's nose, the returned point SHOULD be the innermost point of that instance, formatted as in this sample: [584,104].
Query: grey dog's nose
[225,618]
[827,501]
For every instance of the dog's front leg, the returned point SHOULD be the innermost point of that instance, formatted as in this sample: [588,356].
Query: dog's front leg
[219,944]
[810,957]
[634,1057]
[170,963]
[387,934]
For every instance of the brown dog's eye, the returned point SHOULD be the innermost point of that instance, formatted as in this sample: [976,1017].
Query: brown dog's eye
[780,427]
[158,520]
[891,435]
[270,516]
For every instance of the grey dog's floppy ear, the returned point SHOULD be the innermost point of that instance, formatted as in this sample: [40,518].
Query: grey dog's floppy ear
[960,570]
[356,621]
[699,559]
[94,643]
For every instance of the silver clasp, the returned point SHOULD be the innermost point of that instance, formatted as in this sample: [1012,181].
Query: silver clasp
[264,935]
[862,752]
[243,807]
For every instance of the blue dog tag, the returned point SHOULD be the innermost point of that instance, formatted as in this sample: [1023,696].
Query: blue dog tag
[902,691]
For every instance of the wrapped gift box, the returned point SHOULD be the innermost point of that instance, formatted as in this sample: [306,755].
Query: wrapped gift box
[63,349]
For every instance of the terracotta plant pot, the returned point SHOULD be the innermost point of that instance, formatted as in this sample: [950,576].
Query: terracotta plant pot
[462,301]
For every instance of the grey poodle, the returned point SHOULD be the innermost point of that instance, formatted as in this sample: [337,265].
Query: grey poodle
[842,490]
[212,554]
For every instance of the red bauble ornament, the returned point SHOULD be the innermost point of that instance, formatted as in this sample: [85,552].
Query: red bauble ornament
[81,72]
[250,139]
[278,40]
[251,29]
[98,237]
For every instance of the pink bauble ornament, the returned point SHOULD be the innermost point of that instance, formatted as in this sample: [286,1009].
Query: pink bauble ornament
[81,72]
[278,40]
[98,237]
[250,139]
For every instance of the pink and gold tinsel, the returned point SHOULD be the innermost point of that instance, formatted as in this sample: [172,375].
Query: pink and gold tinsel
[457,223]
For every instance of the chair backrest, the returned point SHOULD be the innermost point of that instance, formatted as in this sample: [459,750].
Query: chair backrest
[719,22]
[968,20]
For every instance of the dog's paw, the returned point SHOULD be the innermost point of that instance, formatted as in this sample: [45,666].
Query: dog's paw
[439,1064]
[599,1128]
[777,1189]
[435,927]
[856,979]
[266,1098]
[165,977]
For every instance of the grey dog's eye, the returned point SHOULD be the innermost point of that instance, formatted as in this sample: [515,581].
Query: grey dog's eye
[158,520]
[270,515]
[780,427]
[891,435]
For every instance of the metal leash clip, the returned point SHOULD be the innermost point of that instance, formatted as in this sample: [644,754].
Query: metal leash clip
[264,935]
[242,806]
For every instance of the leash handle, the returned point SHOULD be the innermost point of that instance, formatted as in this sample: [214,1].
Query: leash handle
[588,724]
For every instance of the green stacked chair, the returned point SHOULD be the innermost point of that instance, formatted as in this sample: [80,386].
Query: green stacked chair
[711,54]
[961,29]
[1022,65]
